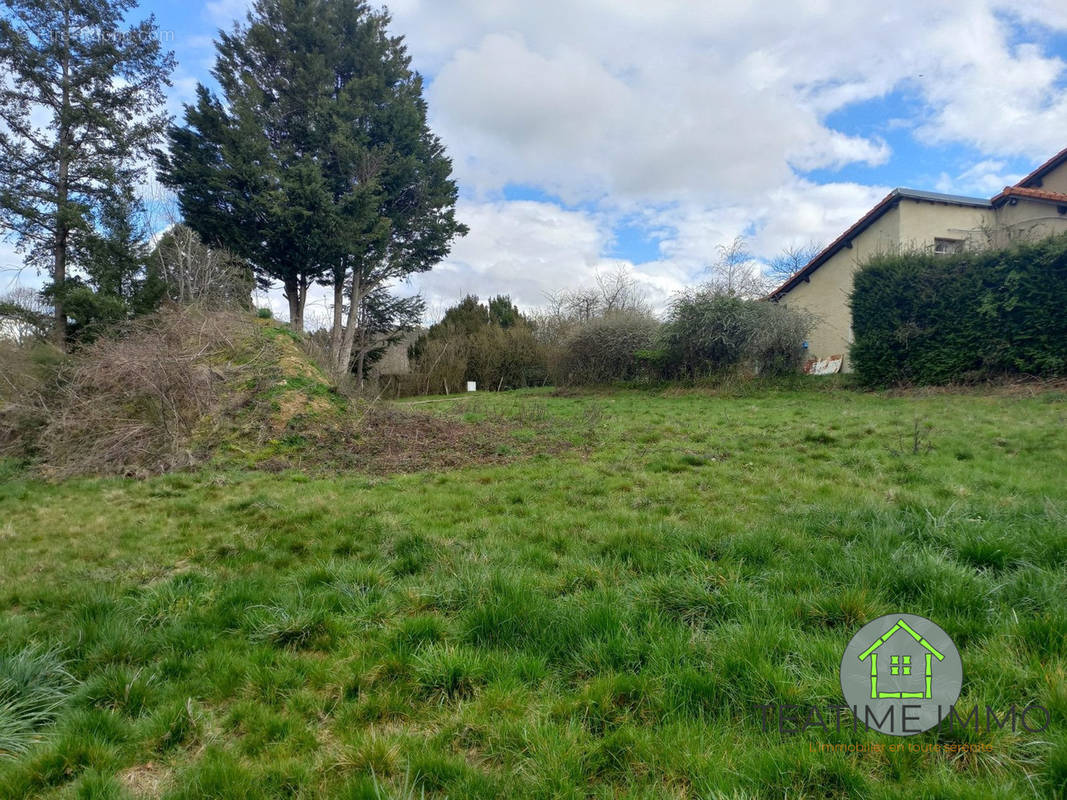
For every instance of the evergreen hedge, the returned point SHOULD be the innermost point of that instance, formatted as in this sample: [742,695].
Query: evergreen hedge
[933,319]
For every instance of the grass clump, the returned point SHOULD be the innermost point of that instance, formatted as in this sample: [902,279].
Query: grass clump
[34,685]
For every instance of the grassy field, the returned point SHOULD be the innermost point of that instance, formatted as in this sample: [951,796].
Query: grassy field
[597,620]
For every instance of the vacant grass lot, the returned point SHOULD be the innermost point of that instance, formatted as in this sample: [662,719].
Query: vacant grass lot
[592,624]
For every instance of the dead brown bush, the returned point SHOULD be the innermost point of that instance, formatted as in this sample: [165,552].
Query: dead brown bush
[28,374]
[129,403]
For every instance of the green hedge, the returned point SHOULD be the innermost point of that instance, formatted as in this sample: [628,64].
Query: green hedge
[929,319]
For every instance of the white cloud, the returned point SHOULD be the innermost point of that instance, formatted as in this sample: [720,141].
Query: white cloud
[984,179]
[795,214]
[525,249]
[699,119]
[665,125]
[1003,98]
[224,12]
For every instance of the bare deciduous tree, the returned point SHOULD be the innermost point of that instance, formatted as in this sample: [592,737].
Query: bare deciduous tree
[197,274]
[614,291]
[792,259]
[25,315]
[736,273]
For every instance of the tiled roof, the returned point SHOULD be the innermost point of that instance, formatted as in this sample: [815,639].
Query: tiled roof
[1033,194]
[1039,173]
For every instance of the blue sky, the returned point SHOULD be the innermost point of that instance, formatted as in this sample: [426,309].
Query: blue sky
[590,135]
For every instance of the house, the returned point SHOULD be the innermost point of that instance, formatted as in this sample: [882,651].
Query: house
[897,675]
[908,220]
[394,360]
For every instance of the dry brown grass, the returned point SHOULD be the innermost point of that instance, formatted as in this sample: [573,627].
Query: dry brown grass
[29,376]
[145,780]
[382,439]
[397,440]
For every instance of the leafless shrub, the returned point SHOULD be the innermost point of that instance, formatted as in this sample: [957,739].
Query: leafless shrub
[28,375]
[195,273]
[736,273]
[617,291]
[130,403]
[442,367]
[917,442]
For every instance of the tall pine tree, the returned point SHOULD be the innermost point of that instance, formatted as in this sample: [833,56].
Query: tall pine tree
[97,84]
[318,163]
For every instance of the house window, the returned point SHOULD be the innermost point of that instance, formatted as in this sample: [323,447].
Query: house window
[896,663]
[945,247]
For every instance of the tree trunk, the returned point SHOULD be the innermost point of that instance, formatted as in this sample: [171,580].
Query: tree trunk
[355,300]
[303,289]
[59,276]
[336,330]
[62,231]
[360,362]
[296,305]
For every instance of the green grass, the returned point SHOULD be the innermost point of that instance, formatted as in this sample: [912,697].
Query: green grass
[595,623]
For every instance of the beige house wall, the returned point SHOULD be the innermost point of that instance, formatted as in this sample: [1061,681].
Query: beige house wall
[1055,181]
[922,222]
[825,295]
[1029,220]
[914,224]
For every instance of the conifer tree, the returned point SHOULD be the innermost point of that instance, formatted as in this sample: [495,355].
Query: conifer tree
[317,163]
[97,84]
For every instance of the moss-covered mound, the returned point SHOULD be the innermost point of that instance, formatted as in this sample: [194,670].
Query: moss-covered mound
[182,388]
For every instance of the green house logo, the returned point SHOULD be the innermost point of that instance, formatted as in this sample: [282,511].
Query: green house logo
[901,674]
[900,665]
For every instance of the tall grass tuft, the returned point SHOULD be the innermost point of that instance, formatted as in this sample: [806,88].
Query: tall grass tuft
[34,683]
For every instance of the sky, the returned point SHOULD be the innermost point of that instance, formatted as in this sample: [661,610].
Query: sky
[593,135]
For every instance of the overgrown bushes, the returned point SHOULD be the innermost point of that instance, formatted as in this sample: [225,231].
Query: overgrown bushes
[495,358]
[929,319]
[506,357]
[606,349]
[131,402]
[29,379]
[707,332]
[494,345]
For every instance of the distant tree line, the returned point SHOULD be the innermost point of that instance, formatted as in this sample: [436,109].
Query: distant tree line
[605,333]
